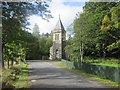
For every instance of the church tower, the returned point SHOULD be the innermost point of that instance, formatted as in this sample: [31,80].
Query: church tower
[59,38]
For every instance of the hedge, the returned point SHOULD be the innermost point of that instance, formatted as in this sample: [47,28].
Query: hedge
[106,72]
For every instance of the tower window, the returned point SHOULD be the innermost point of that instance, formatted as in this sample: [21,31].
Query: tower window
[56,36]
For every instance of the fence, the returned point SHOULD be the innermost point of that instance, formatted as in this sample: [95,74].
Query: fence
[106,72]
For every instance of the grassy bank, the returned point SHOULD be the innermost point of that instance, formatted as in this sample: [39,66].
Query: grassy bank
[104,62]
[22,82]
[16,77]
[111,65]
[92,77]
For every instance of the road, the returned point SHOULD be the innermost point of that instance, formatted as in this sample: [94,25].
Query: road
[44,74]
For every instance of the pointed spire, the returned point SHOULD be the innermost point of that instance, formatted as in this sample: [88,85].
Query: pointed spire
[59,25]
[59,17]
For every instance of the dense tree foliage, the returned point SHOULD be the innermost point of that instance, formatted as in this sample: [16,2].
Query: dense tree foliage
[17,42]
[96,31]
[39,49]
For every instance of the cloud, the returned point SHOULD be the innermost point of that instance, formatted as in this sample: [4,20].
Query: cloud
[67,14]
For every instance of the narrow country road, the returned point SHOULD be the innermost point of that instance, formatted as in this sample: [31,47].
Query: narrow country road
[44,74]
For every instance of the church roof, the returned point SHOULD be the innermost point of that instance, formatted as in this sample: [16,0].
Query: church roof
[59,26]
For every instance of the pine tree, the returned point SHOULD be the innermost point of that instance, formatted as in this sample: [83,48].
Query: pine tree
[36,31]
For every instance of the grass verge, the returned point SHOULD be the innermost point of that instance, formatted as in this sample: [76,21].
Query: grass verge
[22,82]
[92,77]
[18,80]
[112,65]
[104,62]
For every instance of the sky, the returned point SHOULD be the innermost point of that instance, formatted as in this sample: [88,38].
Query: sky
[67,10]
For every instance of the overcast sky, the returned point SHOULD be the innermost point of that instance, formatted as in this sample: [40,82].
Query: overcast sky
[67,10]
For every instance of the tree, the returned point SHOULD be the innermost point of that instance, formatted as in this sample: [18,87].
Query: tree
[115,16]
[17,17]
[106,23]
[92,28]
[70,31]
[97,12]
[36,31]
[106,26]
[1,48]
[14,21]
[69,45]
[45,42]
[114,46]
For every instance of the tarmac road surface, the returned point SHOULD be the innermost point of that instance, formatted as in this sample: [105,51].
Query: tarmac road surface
[44,74]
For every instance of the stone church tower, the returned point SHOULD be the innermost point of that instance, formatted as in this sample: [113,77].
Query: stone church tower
[59,40]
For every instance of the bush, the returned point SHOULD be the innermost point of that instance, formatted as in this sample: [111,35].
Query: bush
[11,75]
[16,70]
[7,82]
[7,85]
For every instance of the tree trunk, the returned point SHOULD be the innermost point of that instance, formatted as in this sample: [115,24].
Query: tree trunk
[19,61]
[1,56]
[104,51]
[1,49]
[3,65]
[8,64]
[81,51]
[12,62]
